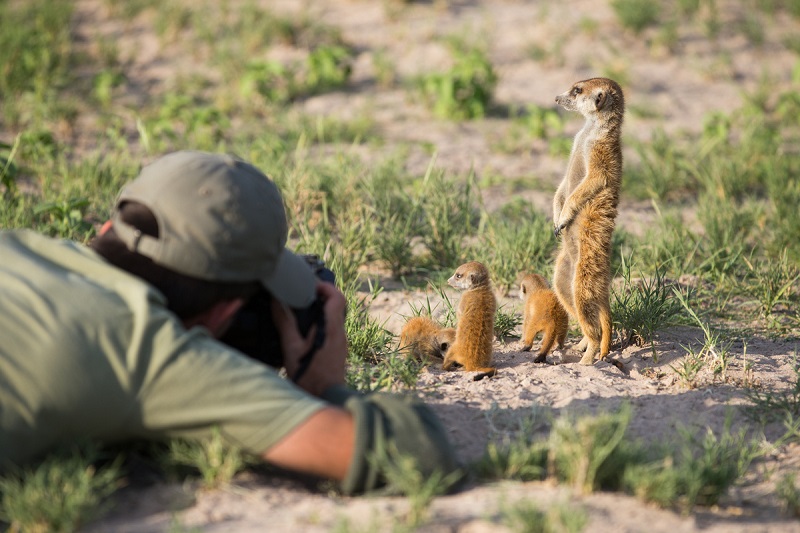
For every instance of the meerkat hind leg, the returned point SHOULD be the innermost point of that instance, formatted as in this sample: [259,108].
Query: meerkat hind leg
[547,344]
[591,327]
[485,373]
[562,282]
[591,351]
[527,344]
[561,339]
[527,340]
[583,344]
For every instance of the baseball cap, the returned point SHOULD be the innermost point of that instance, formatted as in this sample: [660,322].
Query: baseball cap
[219,219]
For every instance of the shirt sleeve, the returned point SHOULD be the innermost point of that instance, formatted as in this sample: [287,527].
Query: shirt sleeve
[390,426]
[194,383]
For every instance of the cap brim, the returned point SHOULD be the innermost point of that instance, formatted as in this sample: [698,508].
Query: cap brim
[293,282]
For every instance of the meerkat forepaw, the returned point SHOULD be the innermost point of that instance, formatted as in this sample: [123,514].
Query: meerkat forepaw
[587,360]
[526,348]
[541,358]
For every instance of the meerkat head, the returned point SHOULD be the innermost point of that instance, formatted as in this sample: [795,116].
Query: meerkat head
[593,98]
[469,275]
[530,284]
[445,339]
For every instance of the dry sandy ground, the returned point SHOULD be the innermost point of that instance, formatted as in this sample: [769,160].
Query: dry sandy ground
[672,90]
[491,409]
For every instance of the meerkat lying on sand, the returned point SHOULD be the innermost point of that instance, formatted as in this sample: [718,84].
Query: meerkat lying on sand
[424,340]
[472,348]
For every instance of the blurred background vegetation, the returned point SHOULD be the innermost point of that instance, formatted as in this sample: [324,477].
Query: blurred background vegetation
[79,114]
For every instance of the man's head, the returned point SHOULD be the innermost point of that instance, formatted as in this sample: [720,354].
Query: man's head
[217,219]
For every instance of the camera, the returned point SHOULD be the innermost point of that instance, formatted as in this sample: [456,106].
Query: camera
[253,332]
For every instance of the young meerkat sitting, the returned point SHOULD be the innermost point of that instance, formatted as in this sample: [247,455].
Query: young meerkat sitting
[424,340]
[473,346]
[542,313]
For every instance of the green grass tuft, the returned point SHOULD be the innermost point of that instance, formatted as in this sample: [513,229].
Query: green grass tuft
[527,517]
[61,493]
[699,473]
[463,92]
[216,461]
[640,308]
[636,15]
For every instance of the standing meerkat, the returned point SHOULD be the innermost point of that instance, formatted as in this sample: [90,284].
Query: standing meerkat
[474,321]
[542,313]
[584,211]
[424,340]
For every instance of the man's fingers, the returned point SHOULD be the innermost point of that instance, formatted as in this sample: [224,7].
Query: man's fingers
[286,325]
[282,315]
[333,297]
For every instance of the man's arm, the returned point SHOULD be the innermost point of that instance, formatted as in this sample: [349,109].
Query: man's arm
[321,446]
[341,441]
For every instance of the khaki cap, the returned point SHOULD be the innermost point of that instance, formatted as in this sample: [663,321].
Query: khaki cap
[219,219]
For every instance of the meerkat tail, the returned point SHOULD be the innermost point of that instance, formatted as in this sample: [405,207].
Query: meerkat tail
[605,338]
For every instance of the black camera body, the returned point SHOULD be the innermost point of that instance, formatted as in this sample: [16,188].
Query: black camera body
[253,331]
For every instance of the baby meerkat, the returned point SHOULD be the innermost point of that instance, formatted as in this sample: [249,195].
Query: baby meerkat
[424,340]
[585,209]
[542,313]
[472,348]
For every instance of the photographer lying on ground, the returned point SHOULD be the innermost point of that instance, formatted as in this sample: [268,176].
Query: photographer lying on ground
[119,342]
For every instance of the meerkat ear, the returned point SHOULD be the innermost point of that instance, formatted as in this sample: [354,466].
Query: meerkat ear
[600,100]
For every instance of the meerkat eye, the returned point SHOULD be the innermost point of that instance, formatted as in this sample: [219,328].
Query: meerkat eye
[459,276]
[576,91]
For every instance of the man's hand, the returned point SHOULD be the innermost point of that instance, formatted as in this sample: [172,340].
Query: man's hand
[327,366]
